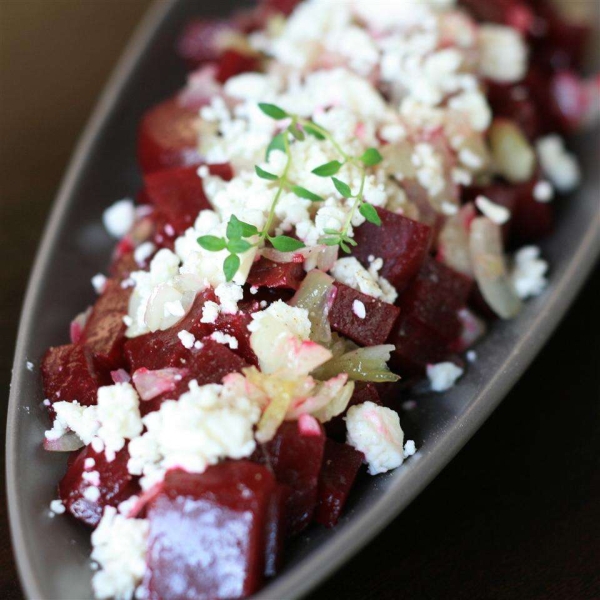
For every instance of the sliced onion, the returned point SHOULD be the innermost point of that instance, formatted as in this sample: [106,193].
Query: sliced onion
[363,364]
[316,294]
[321,257]
[78,325]
[120,376]
[277,256]
[512,154]
[154,317]
[489,266]
[150,384]
[66,443]
[308,426]
[453,244]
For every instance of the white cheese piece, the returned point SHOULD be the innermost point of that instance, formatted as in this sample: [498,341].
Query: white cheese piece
[29,365]
[57,507]
[98,283]
[350,272]
[471,356]
[409,448]
[496,213]
[119,549]
[359,309]
[225,339]
[210,312]
[229,294]
[187,339]
[560,166]
[503,54]
[119,218]
[528,275]
[442,376]
[143,252]
[375,431]
[543,191]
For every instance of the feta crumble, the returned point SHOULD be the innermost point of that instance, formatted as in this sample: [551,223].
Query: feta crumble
[119,549]
[558,164]
[529,272]
[375,431]
[57,507]
[118,218]
[99,283]
[494,212]
[187,339]
[29,365]
[350,272]
[543,191]
[503,54]
[409,449]
[442,376]
[226,339]
[143,252]
[359,309]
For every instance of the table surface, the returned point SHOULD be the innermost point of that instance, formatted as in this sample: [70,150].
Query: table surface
[515,516]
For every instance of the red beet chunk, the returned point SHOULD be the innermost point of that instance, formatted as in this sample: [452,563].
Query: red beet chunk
[266,273]
[275,530]
[168,137]
[363,392]
[401,242]
[69,373]
[341,464]
[178,195]
[104,332]
[369,331]
[116,484]
[199,42]
[296,461]
[416,346]
[283,6]
[208,532]
[209,364]
[435,297]
[232,63]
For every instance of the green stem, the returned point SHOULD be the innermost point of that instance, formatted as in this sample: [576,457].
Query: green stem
[357,202]
[327,136]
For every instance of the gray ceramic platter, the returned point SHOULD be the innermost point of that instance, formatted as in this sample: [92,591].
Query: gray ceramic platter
[52,554]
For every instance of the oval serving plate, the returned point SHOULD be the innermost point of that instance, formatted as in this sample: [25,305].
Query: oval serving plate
[53,554]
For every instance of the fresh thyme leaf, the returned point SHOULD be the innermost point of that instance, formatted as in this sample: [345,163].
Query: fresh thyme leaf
[332,232]
[234,228]
[277,143]
[312,130]
[248,230]
[328,169]
[306,194]
[330,241]
[297,133]
[345,247]
[238,246]
[212,243]
[369,213]
[231,266]
[342,188]
[371,157]
[284,243]
[273,111]
[265,174]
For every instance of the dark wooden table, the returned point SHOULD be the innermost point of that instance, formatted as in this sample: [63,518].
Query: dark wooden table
[515,516]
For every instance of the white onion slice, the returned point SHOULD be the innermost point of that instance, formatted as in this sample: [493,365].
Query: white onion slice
[150,384]
[363,364]
[453,244]
[65,443]
[154,317]
[512,153]
[489,266]
[120,376]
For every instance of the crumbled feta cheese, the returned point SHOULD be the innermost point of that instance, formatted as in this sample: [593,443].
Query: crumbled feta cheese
[350,272]
[206,424]
[187,339]
[91,493]
[496,213]
[503,54]
[89,463]
[543,191]
[57,507]
[359,309]
[409,448]
[449,209]
[92,477]
[471,356]
[443,376]
[98,283]
[143,252]
[229,294]
[375,431]
[529,272]
[128,505]
[119,218]
[29,365]
[119,548]
[272,331]
[559,165]
[225,339]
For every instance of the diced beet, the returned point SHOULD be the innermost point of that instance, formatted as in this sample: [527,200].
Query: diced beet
[435,297]
[104,332]
[401,242]
[266,273]
[275,530]
[363,392]
[123,265]
[283,6]
[199,42]
[69,374]
[177,194]
[296,461]
[341,464]
[371,330]
[115,484]
[168,137]
[208,533]
[232,63]
[207,365]
[416,346]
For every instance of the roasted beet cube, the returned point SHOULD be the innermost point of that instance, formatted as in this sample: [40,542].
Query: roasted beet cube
[340,467]
[168,137]
[69,373]
[435,297]
[113,482]
[401,242]
[363,392]
[232,63]
[369,329]
[104,332]
[208,364]
[269,274]
[199,42]
[296,461]
[208,532]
